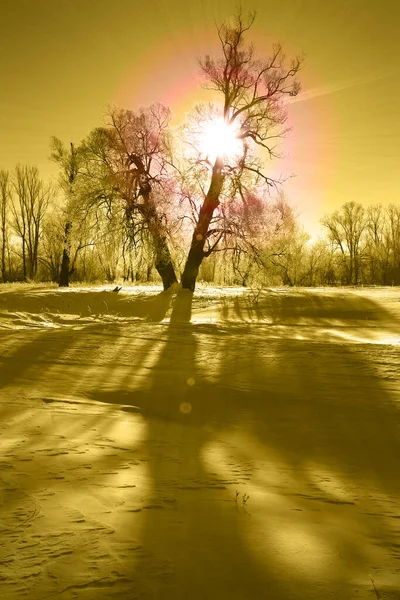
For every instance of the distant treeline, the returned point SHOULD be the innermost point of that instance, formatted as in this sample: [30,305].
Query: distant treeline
[361,245]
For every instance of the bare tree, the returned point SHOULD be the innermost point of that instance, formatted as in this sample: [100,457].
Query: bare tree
[28,210]
[128,158]
[392,235]
[253,95]
[70,162]
[346,228]
[377,250]
[109,239]
[5,199]
[52,244]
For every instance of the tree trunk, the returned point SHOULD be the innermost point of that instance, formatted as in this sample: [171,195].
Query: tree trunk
[65,262]
[34,261]
[3,259]
[196,252]
[3,242]
[3,263]
[163,261]
[193,262]
[24,259]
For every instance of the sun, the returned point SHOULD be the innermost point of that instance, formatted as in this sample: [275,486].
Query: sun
[217,138]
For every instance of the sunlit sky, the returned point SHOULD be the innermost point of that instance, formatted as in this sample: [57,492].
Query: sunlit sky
[63,61]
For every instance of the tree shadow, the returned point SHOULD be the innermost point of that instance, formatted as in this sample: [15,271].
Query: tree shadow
[314,408]
[188,501]
[87,304]
[34,356]
[302,307]
[241,409]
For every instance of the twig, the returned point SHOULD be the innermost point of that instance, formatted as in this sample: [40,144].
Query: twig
[375,590]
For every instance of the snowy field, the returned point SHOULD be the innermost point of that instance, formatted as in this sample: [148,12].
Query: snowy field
[239,446]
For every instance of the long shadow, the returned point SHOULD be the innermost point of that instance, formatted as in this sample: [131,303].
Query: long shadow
[50,445]
[314,309]
[45,366]
[305,405]
[40,350]
[87,303]
[33,356]
[192,505]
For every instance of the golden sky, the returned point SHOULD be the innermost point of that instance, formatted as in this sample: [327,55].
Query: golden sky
[63,61]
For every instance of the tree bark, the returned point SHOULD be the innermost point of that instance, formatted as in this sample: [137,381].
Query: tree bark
[24,259]
[163,260]
[3,260]
[3,249]
[196,252]
[65,262]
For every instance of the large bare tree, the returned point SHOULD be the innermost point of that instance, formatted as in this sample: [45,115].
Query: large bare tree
[128,159]
[253,93]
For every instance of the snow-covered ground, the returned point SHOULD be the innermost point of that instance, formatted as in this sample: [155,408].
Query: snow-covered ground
[233,446]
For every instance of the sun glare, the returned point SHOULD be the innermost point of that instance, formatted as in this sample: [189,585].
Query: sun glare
[219,139]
